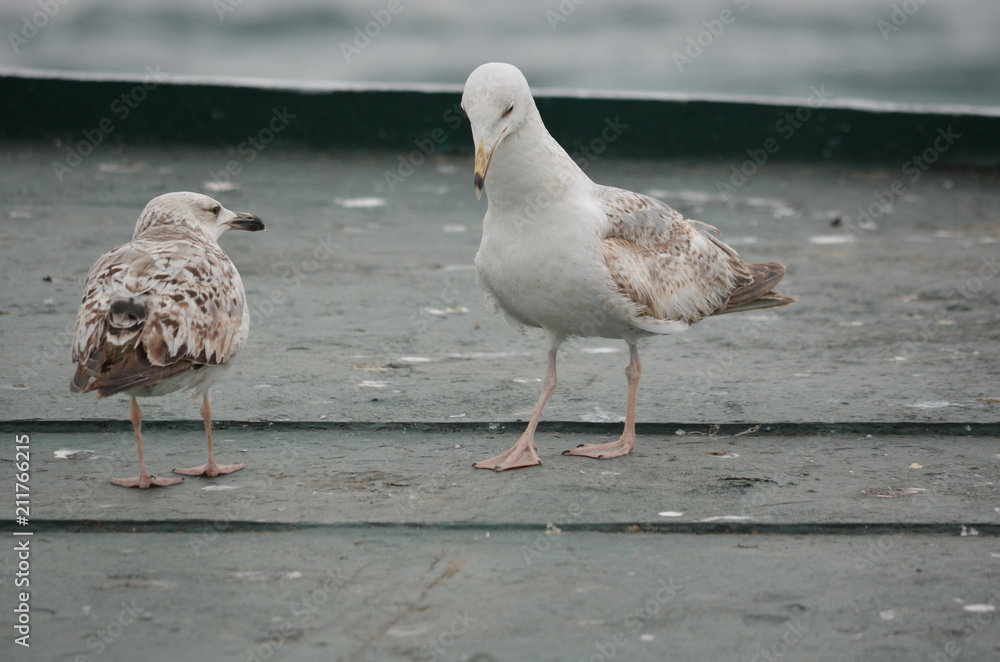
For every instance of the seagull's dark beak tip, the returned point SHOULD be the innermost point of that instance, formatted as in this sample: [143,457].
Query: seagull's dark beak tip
[247,222]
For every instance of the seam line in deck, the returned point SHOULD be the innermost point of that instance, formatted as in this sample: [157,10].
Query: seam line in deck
[199,526]
[807,428]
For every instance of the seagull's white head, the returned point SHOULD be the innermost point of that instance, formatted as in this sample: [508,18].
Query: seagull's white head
[497,100]
[196,211]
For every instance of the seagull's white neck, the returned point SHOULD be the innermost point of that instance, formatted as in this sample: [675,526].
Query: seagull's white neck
[530,169]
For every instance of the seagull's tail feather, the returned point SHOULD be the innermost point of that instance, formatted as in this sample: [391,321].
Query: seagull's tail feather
[769,300]
[122,370]
[758,292]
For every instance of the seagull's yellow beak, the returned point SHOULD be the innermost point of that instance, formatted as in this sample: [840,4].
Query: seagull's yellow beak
[483,157]
[482,165]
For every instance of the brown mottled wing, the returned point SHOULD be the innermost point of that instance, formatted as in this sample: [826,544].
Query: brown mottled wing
[160,305]
[665,264]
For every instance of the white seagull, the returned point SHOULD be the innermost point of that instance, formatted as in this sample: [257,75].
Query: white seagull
[163,313]
[579,259]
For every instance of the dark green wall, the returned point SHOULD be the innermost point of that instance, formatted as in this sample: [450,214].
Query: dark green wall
[51,108]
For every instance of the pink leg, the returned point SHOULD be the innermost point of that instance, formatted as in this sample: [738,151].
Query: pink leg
[210,468]
[624,445]
[144,480]
[523,453]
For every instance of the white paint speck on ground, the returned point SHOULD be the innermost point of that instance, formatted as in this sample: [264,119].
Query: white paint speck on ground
[829,239]
[360,203]
[598,415]
[450,310]
[220,187]
[74,454]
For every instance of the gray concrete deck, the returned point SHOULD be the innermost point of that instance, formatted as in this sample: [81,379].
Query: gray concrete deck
[889,328]
[373,379]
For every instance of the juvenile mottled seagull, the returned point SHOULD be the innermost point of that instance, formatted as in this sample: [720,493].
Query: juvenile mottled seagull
[580,259]
[163,313]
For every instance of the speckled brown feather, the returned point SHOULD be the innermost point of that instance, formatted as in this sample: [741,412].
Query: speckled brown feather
[167,302]
[672,268]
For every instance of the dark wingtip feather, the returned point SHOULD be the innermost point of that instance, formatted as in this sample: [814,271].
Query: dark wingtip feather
[758,293]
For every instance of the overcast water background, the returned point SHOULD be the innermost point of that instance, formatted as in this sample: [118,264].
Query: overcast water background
[933,51]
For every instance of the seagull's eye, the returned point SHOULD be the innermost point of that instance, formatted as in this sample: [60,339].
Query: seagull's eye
[216,209]
[509,110]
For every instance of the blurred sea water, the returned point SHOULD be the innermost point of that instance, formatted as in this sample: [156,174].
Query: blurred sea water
[927,51]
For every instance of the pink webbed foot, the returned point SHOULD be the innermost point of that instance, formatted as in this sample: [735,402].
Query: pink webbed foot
[210,469]
[607,451]
[521,455]
[145,481]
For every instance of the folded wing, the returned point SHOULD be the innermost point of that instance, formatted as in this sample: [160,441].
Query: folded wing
[154,309]
[676,270]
